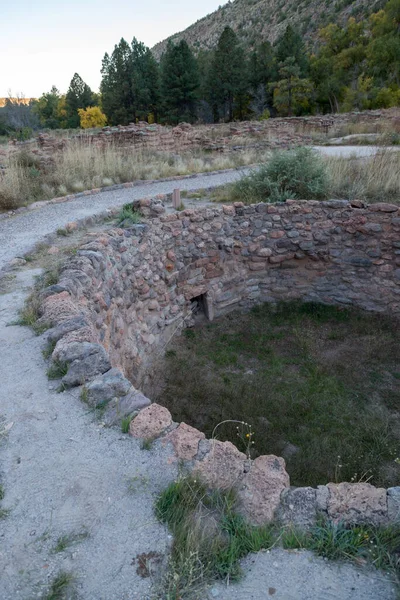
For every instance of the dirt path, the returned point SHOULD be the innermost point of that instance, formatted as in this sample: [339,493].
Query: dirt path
[65,475]
[21,232]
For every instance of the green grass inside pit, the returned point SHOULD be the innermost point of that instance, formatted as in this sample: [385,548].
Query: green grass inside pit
[319,385]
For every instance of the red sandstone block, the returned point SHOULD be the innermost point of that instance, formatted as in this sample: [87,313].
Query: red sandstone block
[281,258]
[215,273]
[277,234]
[229,210]
[383,207]
[258,266]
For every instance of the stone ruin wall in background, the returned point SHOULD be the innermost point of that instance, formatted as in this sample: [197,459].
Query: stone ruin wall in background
[224,137]
[126,293]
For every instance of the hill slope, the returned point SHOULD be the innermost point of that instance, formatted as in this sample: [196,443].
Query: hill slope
[258,20]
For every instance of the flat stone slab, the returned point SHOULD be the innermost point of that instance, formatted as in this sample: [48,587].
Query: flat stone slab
[151,422]
[185,441]
[298,507]
[260,489]
[222,467]
[356,503]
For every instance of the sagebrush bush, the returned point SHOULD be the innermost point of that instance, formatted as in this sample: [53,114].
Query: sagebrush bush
[299,173]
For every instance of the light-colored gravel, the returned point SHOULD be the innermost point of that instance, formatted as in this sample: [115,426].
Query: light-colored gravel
[21,232]
[64,474]
[299,575]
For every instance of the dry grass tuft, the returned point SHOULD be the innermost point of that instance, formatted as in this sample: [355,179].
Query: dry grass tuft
[376,179]
[81,167]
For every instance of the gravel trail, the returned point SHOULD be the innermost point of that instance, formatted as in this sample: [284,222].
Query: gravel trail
[20,233]
[64,474]
[300,575]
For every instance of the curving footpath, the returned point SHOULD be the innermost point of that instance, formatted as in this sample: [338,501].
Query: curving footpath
[21,232]
[80,496]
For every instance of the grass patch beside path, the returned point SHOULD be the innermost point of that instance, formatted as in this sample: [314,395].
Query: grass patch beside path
[210,538]
[60,587]
[84,166]
[305,175]
[319,385]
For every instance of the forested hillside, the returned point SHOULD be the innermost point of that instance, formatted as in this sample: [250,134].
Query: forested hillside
[348,64]
[256,21]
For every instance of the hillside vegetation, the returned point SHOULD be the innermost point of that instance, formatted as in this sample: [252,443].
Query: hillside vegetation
[256,21]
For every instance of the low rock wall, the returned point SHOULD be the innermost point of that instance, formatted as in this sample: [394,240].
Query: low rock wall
[119,301]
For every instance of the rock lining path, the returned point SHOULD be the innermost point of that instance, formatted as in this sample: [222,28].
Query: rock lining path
[64,474]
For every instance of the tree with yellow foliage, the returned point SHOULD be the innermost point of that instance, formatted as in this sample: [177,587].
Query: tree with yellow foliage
[92,116]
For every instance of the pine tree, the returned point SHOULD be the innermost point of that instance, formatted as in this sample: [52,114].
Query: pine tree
[227,81]
[291,93]
[79,95]
[145,81]
[262,70]
[130,84]
[291,45]
[180,83]
[47,108]
[116,85]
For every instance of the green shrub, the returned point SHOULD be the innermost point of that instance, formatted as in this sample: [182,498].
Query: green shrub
[299,173]
[128,216]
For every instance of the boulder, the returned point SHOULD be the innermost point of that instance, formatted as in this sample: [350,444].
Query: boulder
[298,507]
[222,466]
[185,440]
[59,307]
[56,333]
[84,360]
[357,503]
[260,489]
[109,385]
[151,422]
[125,406]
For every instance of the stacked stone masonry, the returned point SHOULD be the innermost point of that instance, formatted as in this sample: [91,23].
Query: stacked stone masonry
[124,295]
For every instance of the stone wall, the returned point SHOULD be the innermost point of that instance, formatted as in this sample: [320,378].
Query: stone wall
[124,295]
[136,285]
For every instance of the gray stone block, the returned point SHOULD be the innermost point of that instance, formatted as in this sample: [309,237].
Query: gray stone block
[322,497]
[85,361]
[111,384]
[56,333]
[393,500]
[119,408]
[298,507]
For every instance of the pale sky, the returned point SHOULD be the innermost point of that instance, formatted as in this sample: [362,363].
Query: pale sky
[43,42]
